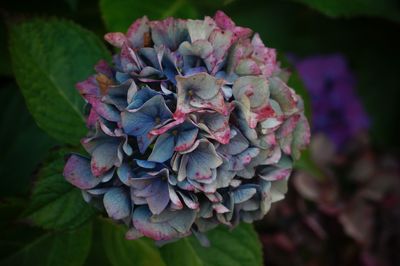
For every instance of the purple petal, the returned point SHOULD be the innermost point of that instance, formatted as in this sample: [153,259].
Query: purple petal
[137,32]
[105,110]
[88,87]
[159,201]
[77,172]
[157,231]
[116,39]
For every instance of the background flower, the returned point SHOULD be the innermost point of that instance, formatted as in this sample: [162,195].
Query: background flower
[336,109]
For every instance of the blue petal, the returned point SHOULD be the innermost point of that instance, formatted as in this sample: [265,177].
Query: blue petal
[137,123]
[186,139]
[141,183]
[169,67]
[125,173]
[150,114]
[197,167]
[144,141]
[202,160]
[243,194]
[183,220]
[150,55]
[140,97]
[121,77]
[145,164]
[117,203]
[149,190]
[163,148]
[117,95]
[237,144]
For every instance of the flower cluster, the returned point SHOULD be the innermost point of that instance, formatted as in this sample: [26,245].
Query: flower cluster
[191,127]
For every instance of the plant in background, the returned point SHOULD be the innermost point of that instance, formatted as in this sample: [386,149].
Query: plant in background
[337,111]
[354,207]
[191,126]
[351,202]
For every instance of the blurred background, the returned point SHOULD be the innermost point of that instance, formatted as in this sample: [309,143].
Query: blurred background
[343,205]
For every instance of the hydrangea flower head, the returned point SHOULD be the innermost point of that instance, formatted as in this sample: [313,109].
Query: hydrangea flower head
[190,127]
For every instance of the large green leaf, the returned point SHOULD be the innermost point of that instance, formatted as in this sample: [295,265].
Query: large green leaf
[173,255]
[56,204]
[21,142]
[210,5]
[120,251]
[23,245]
[239,247]
[382,8]
[48,58]
[119,14]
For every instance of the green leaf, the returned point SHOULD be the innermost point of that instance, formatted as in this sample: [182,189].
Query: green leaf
[21,141]
[48,58]
[181,253]
[210,6]
[239,247]
[22,246]
[382,8]
[121,251]
[118,15]
[56,204]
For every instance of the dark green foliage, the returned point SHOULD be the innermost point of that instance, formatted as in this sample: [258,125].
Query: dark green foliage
[119,15]
[49,57]
[55,203]
[384,8]
[23,245]
[20,141]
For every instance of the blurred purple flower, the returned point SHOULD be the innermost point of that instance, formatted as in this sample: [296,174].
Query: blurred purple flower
[336,108]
